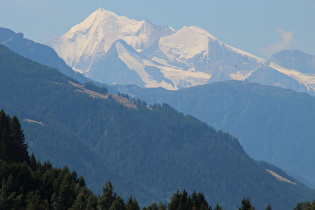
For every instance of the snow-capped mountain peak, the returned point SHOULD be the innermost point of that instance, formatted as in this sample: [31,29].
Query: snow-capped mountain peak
[185,43]
[166,58]
[96,34]
[288,69]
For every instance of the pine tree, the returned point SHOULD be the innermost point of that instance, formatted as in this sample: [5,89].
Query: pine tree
[108,196]
[199,201]
[33,163]
[246,204]
[33,200]
[84,199]
[5,147]
[132,204]
[218,207]
[118,204]
[153,206]
[174,204]
[12,141]
[162,206]
[18,139]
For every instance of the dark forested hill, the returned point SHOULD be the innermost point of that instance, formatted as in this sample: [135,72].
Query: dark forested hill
[272,124]
[147,152]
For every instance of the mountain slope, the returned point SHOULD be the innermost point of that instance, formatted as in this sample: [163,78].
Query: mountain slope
[37,52]
[194,48]
[172,59]
[187,57]
[294,59]
[148,152]
[95,36]
[272,124]
[40,97]
[110,67]
[289,69]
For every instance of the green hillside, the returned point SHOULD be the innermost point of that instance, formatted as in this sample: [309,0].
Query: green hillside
[147,152]
[272,124]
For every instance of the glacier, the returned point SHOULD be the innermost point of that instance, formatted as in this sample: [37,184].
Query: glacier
[160,56]
[114,49]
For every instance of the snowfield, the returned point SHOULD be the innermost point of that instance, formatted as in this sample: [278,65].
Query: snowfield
[113,49]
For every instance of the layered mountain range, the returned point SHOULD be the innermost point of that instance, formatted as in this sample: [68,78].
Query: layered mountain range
[272,124]
[38,52]
[146,151]
[117,50]
[290,69]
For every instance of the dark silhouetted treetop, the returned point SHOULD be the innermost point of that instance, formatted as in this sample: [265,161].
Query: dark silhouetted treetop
[246,204]
[12,141]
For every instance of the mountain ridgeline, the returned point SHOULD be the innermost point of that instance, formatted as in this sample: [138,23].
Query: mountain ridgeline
[146,151]
[272,124]
[114,49]
[29,184]
[38,52]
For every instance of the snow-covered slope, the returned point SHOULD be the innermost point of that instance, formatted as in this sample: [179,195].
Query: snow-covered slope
[294,59]
[158,56]
[289,69]
[193,47]
[124,65]
[117,50]
[95,36]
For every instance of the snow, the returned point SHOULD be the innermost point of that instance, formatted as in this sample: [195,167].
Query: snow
[243,53]
[307,80]
[185,43]
[132,62]
[177,76]
[190,46]
[96,34]
[240,76]
[78,70]
[160,60]
[188,42]
[174,55]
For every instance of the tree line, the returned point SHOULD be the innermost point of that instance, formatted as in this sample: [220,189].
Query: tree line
[26,183]
[29,184]
[146,152]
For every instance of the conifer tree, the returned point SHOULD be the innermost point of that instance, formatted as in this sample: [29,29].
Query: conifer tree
[132,204]
[162,206]
[218,207]
[18,139]
[108,196]
[246,204]
[153,206]
[5,146]
[118,204]
[12,141]
[199,201]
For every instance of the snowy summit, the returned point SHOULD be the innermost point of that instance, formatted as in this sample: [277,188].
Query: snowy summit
[114,49]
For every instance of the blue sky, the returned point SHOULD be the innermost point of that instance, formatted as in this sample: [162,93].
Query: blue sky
[260,27]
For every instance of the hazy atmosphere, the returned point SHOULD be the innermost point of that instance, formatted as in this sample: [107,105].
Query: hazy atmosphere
[258,27]
[167,105]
